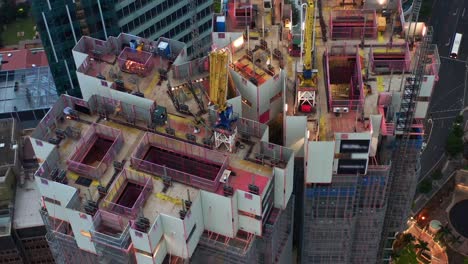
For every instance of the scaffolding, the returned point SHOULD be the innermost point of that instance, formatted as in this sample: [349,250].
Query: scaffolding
[404,174]
[275,246]
[183,162]
[353,24]
[62,243]
[346,217]
[127,194]
[389,58]
[95,151]
[344,84]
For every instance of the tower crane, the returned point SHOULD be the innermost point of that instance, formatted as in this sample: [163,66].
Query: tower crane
[225,132]
[307,87]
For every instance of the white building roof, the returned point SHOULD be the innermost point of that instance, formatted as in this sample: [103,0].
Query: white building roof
[27,206]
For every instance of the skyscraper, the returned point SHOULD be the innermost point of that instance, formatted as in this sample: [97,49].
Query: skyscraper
[61,24]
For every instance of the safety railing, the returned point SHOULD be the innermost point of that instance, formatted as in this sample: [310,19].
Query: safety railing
[110,201]
[353,24]
[85,144]
[179,148]
[386,128]
[120,240]
[251,127]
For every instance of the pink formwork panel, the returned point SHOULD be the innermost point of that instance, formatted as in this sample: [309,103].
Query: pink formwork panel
[128,193]
[339,74]
[81,160]
[183,162]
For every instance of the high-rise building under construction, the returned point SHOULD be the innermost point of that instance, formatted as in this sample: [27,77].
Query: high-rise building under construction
[361,99]
[169,159]
[61,23]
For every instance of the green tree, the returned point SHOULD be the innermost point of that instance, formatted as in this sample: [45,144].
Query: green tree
[454,144]
[437,174]
[458,119]
[421,246]
[425,186]
[22,10]
[408,238]
[7,11]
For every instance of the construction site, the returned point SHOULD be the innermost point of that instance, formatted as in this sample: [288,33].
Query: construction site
[356,121]
[168,159]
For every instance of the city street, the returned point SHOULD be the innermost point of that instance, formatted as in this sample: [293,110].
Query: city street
[448,18]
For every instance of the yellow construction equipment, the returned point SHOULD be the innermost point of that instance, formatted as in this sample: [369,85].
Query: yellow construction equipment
[218,78]
[306,92]
[308,44]
[168,198]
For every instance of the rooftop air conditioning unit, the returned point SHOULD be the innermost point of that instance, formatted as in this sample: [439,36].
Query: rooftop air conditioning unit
[345,109]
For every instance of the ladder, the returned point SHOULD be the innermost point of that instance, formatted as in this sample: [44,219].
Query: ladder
[414,16]
[403,177]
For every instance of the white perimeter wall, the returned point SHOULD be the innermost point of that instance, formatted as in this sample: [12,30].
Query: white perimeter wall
[174,234]
[217,213]
[427,85]
[284,181]
[155,233]
[79,57]
[56,191]
[248,91]
[41,152]
[296,131]
[195,217]
[250,203]
[92,85]
[81,222]
[320,156]
[236,103]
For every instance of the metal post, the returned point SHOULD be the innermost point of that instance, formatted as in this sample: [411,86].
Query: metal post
[313,35]
[102,19]
[302,31]
[263,26]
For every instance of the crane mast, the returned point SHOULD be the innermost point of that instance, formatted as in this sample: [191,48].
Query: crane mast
[218,78]
[308,41]
[307,78]
[225,129]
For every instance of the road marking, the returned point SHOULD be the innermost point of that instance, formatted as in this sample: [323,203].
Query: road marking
[448,42]
[448,117]
[445,111]
[452,59]
[431,169]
